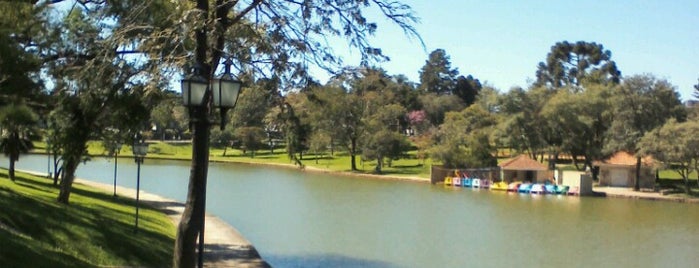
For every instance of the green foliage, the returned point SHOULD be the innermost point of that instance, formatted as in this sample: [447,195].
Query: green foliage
[18,128]
[20,23]
[169,117]
[250,138]
[385,145]
[523,127]
[467,89]
[570,64]
[436,106]
[95,231]
[437,76]
[252,107]
[577,122]
[463,139]
[676,146]
[642,103]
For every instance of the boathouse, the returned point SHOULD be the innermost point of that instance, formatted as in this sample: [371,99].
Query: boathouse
[523,168]
[619,170]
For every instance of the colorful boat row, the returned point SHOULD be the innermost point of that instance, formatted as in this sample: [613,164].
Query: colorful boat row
[520,187]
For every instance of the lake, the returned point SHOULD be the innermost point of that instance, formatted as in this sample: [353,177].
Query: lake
[304,219]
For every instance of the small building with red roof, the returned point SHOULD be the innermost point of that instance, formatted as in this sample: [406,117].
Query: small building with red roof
[523,168]
[619,170]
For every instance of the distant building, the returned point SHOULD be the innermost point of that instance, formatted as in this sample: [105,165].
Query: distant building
[619,170]
[523,168]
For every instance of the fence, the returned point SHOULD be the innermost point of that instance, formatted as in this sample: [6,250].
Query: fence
[438,173]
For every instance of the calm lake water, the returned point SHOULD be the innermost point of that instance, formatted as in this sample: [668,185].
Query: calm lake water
[302,219]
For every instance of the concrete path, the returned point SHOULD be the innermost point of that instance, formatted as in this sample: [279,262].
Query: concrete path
[224,246]
[648,195]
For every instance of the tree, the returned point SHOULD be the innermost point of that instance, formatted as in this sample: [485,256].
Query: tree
[524,127]
[696,90]
[17,122]
[436,106]
[276,39]
[252,106]
[169,118]
[676,145]
[250,138]
[462,141]
[467,89]
[20,24]
[642,103]
[319,143]
[222,138]
[384,145]
[569,64]
[383,139]
[437,76]
[342,114]
[578,123]
[350,101]
[95,90]
[488,98]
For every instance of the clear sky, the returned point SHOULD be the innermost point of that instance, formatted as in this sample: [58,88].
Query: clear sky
[502,42]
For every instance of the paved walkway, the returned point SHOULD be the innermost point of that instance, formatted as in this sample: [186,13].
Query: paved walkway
[224,246]
[648,195]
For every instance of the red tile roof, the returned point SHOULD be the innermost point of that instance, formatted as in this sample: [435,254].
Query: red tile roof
[622,158]
[522,162]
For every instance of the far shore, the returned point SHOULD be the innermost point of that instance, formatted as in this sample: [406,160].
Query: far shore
[600,191]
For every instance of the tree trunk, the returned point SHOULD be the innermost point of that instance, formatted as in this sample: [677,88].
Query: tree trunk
[575,162]
[553,158]
[56,169]
[11,170]
[637,182]
[191,223]
[353,157]
[56,174]
[379,164]
[67,182]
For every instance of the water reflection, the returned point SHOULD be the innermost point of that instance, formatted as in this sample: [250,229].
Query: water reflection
[328,260]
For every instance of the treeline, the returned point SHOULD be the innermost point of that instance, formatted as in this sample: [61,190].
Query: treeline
[579,106]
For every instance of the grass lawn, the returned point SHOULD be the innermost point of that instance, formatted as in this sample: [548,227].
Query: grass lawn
[340,161]
[94,230]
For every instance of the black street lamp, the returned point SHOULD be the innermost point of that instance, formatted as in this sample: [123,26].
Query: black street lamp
[48,157]
[202,97]
[117,149]
[140,149]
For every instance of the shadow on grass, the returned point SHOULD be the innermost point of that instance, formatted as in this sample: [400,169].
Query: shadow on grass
[95,226]
[19,251]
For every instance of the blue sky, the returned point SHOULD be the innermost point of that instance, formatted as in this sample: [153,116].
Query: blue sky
[501,42]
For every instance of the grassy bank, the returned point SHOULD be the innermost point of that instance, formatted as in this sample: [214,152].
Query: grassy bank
[339,162]
[94,230]
[411,166]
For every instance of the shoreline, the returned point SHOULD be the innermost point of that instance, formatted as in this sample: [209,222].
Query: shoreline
[224,245]
[600,191]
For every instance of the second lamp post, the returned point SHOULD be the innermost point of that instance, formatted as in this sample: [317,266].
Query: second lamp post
[140,149]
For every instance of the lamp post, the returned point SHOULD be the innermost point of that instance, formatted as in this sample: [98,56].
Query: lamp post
[48,158]
[117,149]
[140,149]
[202,97]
